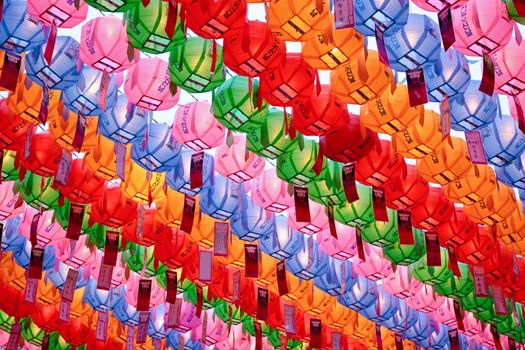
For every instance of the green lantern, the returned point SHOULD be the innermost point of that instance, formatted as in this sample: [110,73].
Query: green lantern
[358,213]
[146,28]
[509,326]
[6,321]
[433,275]
[222,311]
[56,342]
[474,304]
[490,316]
[513,13]
[31,332]
[62,216]
[134,258]
[270,139]
[406,254]
[9,172]
[457,287]
[190,294]
[329,190]
[190,66]
[36,195]
[295,166]
[382,233]
[113,5]
[235,108]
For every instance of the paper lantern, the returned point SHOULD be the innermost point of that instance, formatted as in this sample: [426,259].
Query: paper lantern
[432,6]
[328,190]
[494,208]
[221,200]
[457,231]
[61,12]
[110,6]
[308,262]
[82,187]
[343,47]
[13,129]
[236,163]
[472,109]
[179,178]
[20,32]
[415,44]
[44,155]
[381,233]
[160,152]
[449,76]
[113,209]
[282,242]
[235,105]
[137,186]
[457,287]
[359,82]
[343,246]
[350,143]
[384,308]
[251,221]
[153,230]
[432,275]
[123,122]
[321,114]
[251,50]
[477,183]
[196,66]
[363,294]
[388,16]
[318,222]
[9,200]
[64,69]
[104,45]
[358,213]
[176,249]
[296,165]
[502,140]
[406,190]
[102,160]
[171,210]
[213,19]
[378,166]
[270,139]
[479,249]
[421,138]
[449,162]
[9,172]
[406,254]
[404,318]
[510,229]
[146,28]
[482,27]
[23,255]
[62,214]
[148,85]
[433,211]
[374,267]
[63,126]
[509,77]
[38,192]
[270,192]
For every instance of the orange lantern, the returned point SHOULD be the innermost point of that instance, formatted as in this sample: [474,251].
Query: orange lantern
[493,208]
[378,167]
[203,233]
[63,124]
[138,188]
[512,229]
[102,159]
[82,187]
[44,155]
[316,303]
[391,112]
[449,162]
[477,183]
[170,211]
[13,128]
[433,211]
[406,190]
[360,81]
[421,138]
[113,209]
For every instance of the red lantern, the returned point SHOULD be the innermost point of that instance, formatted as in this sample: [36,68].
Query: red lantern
[82,186]
[151,233]
[289,83]
[498,267]
[432,212]
[113,209]
[406,190]
[12,129]
[378,167]
[212,19]
[479,249]
[253,49]
[75,332]
[176,249]
[457,231]
[44,155]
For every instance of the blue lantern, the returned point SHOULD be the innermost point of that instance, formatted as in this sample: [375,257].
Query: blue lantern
[173,337]
[418,331]
[473,109]
[513,174]
[64,69]
[11,240]
[178,178]
[124,122]
[98,299]
[161,152]
[58,277]
[156,328]
[82,97]
[251,221]
[331,281]
[23,255]
[282,242]
[390,16]
[19,32]
[363,294]
[309,261]
[416,44]
[222,200]
[384,308]
[503,140]
[124,312]
[438,337]
[449,76]
[404,316]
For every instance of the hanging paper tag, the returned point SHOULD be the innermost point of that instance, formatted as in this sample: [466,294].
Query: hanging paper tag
[302,206]
[446,27]
[27,145]
[512,343]
[236,281]
[220,239]
[336,341]
[399,341]
[64,168]
[14,337]
[204,328]
[76,216]
[417,90]
[495,334]
[281,277]
[68,291]
[349,184]
[205,265]
[458,312]
[197,161]
[500,303]
[283,340]
[381,48]
[45,342]
[331,221]
[103,91]
[33,235]
[171,286]
[111,248]
[64,311]
[174,313]
[433,250]
[453,262]
[453,337]
[31,289]
[10,71]
[198,308]
[251,257]
[262,304]
[258,336]
[140,221]
[487,80]
[379,340]
[188,214]
[480,283]
[130,338]
[404,224]
[144,294]
[120,152]
[44,105]
[445,119]
[379,204]
[475,147]
[35,263]
[101,332]
[344,14]
[50,45]
[104,277]
[289,318]
[316,339]
[142,329]
[80,132]
[359,242]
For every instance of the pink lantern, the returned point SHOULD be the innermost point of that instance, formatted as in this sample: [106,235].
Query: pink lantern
[398,283]
[216,330]
[343,247]
[117,277]
[48,232]
[270,192]
[196,127]
[62,12]
[236,340]
[76,253]
[157,295]
[8,201]
[481,27]
[445,314]
[319,219]
[236,163]
[375,266]
[424,298]
[188,318]
[471,324]
[509,69]
[436,6]
[104,45]
[148,85]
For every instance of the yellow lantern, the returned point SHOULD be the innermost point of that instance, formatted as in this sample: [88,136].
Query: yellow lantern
[498,205]
[102,160]
[420,138]
[477,183]
[136,186]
